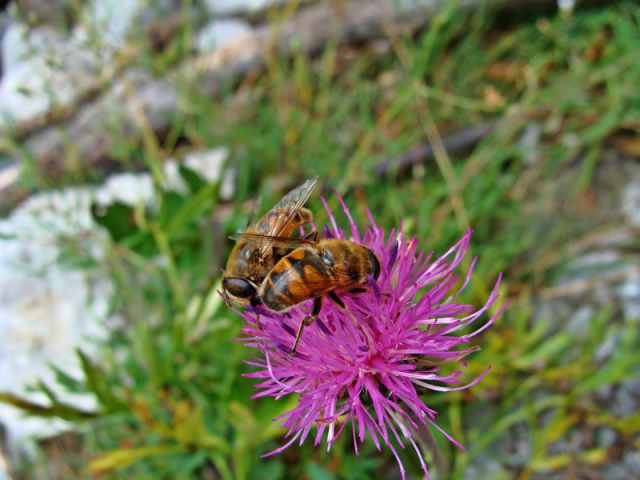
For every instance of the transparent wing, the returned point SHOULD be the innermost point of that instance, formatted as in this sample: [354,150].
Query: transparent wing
[271,241]
[280,216]
[254,211]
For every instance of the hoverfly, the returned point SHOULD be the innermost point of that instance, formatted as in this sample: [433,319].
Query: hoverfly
[313,271]
[259,248]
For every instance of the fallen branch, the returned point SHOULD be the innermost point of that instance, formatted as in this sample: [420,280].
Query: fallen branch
[456,143]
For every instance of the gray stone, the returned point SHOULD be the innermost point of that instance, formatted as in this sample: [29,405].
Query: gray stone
[625,398]
[580,320]
[631,203]
[606,437]
[632,462]
[629,293]
[219,33]
[4,26]
[485,468]
[607,346]
[616,471]
[530,144]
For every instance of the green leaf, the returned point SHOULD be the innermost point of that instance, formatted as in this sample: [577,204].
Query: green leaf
[123,457]
[595,456]
[191,209]
[221,465]
[318,472]
[56,409]
[189,463]
[547,350]
[44,388]
[171,203]
[71,384]
[99,384]
[116,218]
[508,420]
[619,368]
[190,430]
[193,180]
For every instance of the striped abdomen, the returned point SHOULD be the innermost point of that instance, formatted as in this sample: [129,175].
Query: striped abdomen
[310,272]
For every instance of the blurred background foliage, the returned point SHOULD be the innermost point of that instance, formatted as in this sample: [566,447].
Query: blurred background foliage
[172,401]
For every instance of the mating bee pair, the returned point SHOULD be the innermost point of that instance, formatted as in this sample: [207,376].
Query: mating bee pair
[272,267]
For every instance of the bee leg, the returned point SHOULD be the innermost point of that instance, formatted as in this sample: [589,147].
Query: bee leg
[226,299]
[315,311]
[255,301]
[341,304]
[312,235]
[358,290]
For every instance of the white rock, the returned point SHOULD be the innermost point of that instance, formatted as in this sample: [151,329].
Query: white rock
[235,7]
[20,43]
[129,188]
[9,174]
[4,24]
[219,33]
[135,188]
[43,68]
[4,469]
[47,310]
[566,5]
[113,20]
[206,163]
[45,71]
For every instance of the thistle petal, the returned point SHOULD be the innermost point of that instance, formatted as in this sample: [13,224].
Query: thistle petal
[370,375]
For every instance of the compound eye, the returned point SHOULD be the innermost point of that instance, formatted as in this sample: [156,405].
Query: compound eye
[239,287]
[327,258]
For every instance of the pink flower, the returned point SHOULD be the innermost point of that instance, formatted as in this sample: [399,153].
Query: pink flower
[371,377]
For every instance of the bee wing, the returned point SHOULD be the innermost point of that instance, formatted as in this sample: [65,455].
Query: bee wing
[285,211]
[289,206]
[266,241]
[254,211]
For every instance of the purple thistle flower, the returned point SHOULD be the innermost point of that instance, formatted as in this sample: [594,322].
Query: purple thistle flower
[370,377]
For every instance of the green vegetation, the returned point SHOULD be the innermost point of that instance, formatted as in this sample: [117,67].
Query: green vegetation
[172,399]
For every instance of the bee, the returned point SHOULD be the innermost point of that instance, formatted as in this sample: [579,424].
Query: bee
[315,271]
[262,244]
